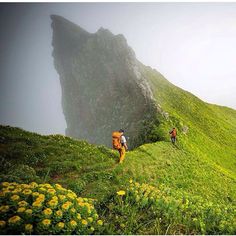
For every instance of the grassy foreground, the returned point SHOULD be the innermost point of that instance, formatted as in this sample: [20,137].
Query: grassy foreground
[159,189]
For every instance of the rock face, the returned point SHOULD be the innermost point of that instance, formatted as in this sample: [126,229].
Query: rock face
[103,87]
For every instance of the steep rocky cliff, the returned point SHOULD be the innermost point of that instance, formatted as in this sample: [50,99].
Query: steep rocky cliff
[103,85]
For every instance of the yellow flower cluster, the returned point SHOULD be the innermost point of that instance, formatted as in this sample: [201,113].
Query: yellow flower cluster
[52,208]
[144,193]
[46,222]
[47,212]
[21,209]
[4,209]
[59,213]
[14,219]
[60,225]
[22,204]
[28,227]
[2,223]
[66,206]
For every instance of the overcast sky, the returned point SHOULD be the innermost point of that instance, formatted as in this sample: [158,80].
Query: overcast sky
[191,44]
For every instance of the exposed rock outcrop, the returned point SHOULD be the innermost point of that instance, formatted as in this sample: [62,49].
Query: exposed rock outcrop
[103,87]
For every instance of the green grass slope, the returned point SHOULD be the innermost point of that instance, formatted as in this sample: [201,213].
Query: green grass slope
[93,171]
[211,128]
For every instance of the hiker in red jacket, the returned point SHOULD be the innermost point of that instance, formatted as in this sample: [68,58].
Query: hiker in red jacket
[173,134]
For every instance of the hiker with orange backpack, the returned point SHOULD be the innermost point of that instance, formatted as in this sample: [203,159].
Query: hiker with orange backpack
[119,143]
[173,134]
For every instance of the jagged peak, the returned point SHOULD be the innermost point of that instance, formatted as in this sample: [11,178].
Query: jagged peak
[64,23]
[102,30]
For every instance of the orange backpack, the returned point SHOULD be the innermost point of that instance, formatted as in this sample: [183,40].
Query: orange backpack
[174,133]
[116,143]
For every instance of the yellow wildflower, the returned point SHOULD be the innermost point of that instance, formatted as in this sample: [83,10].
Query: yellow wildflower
[4,209]
[40,199]
[14,220]
[58,186]
[5,184]
[25,186]
[16,191]
[78,216]
[55,198]
[131,181]
[46,222]
[51,191]
[92,229]
[22,203]
[2,223]
[47,211]
[96,216]
[27,191]
[59,213]
[90,219]
[47,186]
[53,203]
[71,196]
[84,222]
[21,209]
[15,197]
[61,197]
[73,210]
[60,225]
[63,189]
[79,199]
[29,227]
[35,194]
[37,204]
[33,185]
[73,223]
[10,187]
[85,199]
[66,205]
[41,196]
[28,211]
[121,192]
[100,222]
[43,189]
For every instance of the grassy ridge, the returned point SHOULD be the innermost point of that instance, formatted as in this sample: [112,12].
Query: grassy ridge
[212,128]
[93,170]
